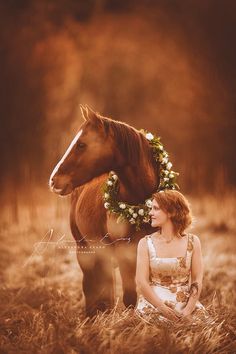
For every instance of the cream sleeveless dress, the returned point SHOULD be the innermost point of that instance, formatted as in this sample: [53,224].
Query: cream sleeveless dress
[170,280]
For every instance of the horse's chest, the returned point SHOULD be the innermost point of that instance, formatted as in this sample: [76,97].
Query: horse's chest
[117,229]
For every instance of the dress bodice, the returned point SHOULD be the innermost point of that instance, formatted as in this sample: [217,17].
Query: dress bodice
[170,272]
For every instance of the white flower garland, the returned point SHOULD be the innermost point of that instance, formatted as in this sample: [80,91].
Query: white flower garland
[139,214]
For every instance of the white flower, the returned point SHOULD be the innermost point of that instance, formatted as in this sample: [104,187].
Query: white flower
[148,203]
[166,179]
[160,147]
[109,183]
[167,185]
[169,165]
[131,211]
[173,187]
[132,221]
[166,172]
[171,175]
[164,160]
[135,215]
[122,206]
[115,177]
[106,195]
[149,136]
[141,212]
[106,205]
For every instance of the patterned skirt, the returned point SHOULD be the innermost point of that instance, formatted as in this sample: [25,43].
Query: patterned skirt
[175,297]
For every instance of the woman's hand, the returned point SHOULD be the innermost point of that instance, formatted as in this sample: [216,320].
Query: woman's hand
[184,312]
[185,315]
[170,313]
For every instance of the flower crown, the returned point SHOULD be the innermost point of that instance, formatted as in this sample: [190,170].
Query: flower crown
[139,214]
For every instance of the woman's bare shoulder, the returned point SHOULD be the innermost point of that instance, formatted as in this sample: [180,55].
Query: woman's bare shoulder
[195,240]
[143,241]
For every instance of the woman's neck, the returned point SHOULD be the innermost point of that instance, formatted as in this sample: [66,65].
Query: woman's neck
[167,232]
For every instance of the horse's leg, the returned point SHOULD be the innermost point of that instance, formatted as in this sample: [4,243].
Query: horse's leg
[126,257]
[97,268]
[98,282]
[98,276]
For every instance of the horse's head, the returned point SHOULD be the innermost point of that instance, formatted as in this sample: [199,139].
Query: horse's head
[89,155]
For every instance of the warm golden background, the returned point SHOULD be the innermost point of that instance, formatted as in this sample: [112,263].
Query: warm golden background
[166,66]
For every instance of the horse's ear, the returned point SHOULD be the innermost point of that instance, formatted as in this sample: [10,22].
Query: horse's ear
[91,114]
[84,112]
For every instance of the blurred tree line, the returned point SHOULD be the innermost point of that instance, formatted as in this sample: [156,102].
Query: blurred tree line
[164,66]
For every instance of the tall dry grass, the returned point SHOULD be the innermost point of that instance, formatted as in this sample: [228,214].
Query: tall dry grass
[41,300]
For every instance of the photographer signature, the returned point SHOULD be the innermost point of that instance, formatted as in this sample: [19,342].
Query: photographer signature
[61,243]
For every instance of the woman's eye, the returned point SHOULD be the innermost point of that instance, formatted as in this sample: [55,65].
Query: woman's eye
[80,145]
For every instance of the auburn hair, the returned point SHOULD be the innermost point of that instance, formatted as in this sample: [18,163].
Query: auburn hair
[177,206]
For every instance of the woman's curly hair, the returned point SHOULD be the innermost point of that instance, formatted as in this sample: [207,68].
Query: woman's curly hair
[177,206]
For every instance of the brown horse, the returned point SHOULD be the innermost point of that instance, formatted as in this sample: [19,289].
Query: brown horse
[102,145]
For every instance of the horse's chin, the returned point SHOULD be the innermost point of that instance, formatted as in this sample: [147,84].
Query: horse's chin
[68,189]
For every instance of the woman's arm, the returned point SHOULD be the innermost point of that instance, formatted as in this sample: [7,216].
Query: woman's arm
[196,276]
[142,280]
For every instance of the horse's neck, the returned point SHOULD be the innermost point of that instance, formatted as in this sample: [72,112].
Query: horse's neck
[137,182]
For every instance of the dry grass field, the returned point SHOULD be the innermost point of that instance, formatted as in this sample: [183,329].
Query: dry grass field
[42,306]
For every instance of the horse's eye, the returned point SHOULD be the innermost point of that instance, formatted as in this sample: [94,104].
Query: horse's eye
[80,145]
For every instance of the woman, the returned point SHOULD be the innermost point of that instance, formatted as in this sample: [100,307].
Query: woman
[169,263]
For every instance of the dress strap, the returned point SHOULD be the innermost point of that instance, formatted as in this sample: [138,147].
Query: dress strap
[189,249]
[190,243]
[151,249]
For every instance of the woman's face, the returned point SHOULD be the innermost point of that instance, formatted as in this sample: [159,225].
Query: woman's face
[158,216]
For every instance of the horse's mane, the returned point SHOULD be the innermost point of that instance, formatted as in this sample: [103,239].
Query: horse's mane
[131,143]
